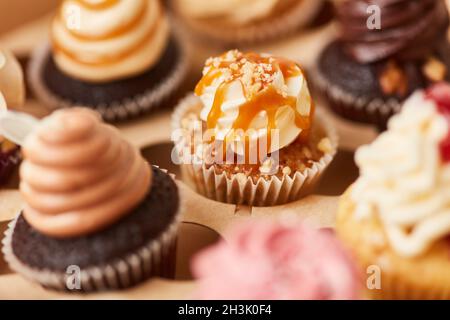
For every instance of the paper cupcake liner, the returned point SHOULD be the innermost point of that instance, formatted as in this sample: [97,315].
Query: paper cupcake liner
[264,192]
[155,259]
[278,26]
[118,111]
[360,109]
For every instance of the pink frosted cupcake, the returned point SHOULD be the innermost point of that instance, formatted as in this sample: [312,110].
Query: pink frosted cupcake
[267,261]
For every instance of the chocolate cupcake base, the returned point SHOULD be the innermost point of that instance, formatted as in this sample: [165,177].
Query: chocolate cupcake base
[117,100]
[353,91]
[8,161]
[140,246]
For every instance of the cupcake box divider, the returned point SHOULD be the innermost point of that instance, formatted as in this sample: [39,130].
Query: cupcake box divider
[204,220]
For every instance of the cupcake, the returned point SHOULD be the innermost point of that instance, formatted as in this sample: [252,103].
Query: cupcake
[378,61]
[234,22]
[396,217]
[250,134]
[274,261]
[117,57]
[93,206]
[12,93]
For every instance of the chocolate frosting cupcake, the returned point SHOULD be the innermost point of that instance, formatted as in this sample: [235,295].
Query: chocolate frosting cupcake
[409,29]
[91,201]
[370,69]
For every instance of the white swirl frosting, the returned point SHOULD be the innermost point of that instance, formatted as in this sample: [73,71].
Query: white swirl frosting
[237,11]
[106,40]
[291,86]
[404,180]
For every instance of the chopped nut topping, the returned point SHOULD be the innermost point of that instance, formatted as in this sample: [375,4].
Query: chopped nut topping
[325,145]
[307,152]
[287,171]
[393,80]
[266,167]
[255,74]
[434,70]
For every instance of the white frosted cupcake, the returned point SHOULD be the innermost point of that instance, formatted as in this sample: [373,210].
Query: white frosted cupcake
[396,217]
[248,21]
[250,134]
[120,58]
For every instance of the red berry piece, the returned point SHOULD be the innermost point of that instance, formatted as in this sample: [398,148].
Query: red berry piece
[440,94]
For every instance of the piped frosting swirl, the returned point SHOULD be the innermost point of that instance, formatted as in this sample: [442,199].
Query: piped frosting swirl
[233,11]
[405,181]
[106,40]
[79,175]
[262,93]
[410,29]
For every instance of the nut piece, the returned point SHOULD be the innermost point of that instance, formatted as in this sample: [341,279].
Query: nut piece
[325,146]
[287,171]
[393,80]
[267,167]
[434,70]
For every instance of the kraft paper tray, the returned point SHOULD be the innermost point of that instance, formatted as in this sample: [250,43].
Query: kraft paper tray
[205,221]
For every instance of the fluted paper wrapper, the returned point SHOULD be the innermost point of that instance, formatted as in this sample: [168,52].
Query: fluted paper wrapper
[155,259]
[264,192]
[359,109]
[120,110]
[278,26]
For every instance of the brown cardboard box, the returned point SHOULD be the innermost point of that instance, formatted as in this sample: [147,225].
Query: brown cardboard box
[17,12]
[20,33]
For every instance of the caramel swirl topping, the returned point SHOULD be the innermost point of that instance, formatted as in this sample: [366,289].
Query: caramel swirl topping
[106,40]
[268,84]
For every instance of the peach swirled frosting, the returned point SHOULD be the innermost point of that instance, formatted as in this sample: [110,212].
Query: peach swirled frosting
[405,175]
[79,175]
[247,91]
[106,40]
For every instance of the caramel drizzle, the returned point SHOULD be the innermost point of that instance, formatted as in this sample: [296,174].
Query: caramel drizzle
[120,30]
[268,100]
[105,4]
[110,59]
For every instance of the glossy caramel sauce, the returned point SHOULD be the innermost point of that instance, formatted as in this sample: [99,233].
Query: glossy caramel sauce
[265,99]
[111,58]
[101,5]
[120,30]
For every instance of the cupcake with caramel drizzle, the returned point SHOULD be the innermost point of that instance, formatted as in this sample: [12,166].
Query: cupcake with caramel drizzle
[250,134]
[92,201]
[116,56]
